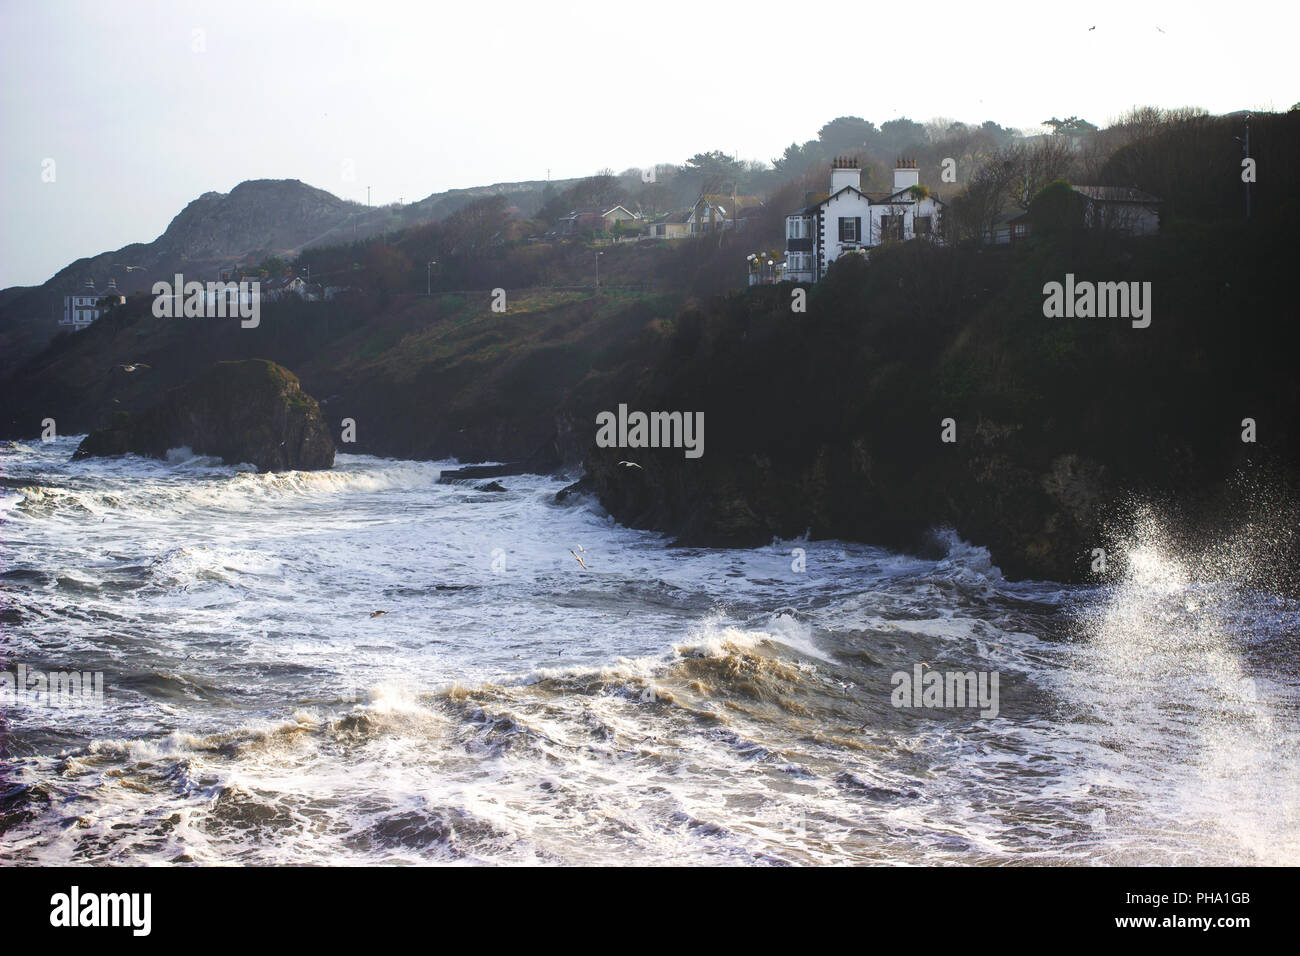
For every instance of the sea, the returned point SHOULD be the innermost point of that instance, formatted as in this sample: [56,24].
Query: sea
[206,665]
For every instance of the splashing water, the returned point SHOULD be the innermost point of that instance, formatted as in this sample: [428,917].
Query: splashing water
[660,705]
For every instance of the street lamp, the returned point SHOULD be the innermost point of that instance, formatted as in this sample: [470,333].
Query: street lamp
[598,255]
[428,277]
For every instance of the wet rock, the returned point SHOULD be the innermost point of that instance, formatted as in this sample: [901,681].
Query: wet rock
[252,411]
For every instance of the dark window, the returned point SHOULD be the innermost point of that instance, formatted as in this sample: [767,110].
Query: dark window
[922,225]
[849,229]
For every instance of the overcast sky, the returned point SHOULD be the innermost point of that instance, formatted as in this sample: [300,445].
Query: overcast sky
[141,114]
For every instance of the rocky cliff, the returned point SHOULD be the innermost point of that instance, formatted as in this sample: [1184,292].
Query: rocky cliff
[927,389]
[250,411]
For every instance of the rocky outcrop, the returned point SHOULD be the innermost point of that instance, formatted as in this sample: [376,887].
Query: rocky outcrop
[831,422]
[250,411]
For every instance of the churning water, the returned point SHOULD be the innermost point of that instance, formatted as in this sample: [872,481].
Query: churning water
[659,705]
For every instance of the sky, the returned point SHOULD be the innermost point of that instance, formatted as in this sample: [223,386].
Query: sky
[117,113]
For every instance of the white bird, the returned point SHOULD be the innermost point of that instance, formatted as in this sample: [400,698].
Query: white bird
[630,464]
[580,561]
[134,366]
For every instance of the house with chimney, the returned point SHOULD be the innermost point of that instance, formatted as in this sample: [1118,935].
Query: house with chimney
[849,221]
[86,305]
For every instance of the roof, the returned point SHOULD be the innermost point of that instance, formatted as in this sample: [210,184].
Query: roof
[680,216]
[723,200]
[1115,194]
[874,199]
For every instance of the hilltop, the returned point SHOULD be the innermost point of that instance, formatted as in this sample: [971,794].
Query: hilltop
[257,220]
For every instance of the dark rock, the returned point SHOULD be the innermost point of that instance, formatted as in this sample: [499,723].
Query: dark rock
[582,486]
[491,486]
[482,471]
[252,411]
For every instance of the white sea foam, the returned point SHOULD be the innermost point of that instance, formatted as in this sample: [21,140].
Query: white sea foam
[339,666]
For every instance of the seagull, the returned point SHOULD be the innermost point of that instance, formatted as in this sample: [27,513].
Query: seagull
[133,367]
[630,464]
[1162,31]
[374,614]
[1090,29]
[580,561]
[582,549]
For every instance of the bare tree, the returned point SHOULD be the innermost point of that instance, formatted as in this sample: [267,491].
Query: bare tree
[1035,165]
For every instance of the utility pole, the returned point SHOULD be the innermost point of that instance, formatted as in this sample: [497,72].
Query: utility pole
[1245,151]
[367,197]
[1247,148]
[428,277]
[598,255]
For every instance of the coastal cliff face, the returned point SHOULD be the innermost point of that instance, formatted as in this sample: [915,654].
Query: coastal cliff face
[1040,520]
[250,411]
[927,390]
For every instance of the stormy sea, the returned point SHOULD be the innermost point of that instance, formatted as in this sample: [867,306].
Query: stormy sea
[366,666]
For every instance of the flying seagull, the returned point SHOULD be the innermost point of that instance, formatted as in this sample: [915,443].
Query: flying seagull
[579,559]
[377,613]
[630,464]
[133,367]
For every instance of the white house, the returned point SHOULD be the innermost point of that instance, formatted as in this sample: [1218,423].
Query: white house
[82,308]
[285,285]
[851,221]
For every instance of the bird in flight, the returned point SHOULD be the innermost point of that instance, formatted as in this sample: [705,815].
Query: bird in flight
[630,464]
[133,367]
[378,613]
[579,560]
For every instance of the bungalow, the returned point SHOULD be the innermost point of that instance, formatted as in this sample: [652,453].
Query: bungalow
[851,221]
[577,222]
[1120,209]
[1010,226]
[619,214]
[672,225]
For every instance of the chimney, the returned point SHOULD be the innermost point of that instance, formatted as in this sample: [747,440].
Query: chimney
[845,172]
[906,175]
